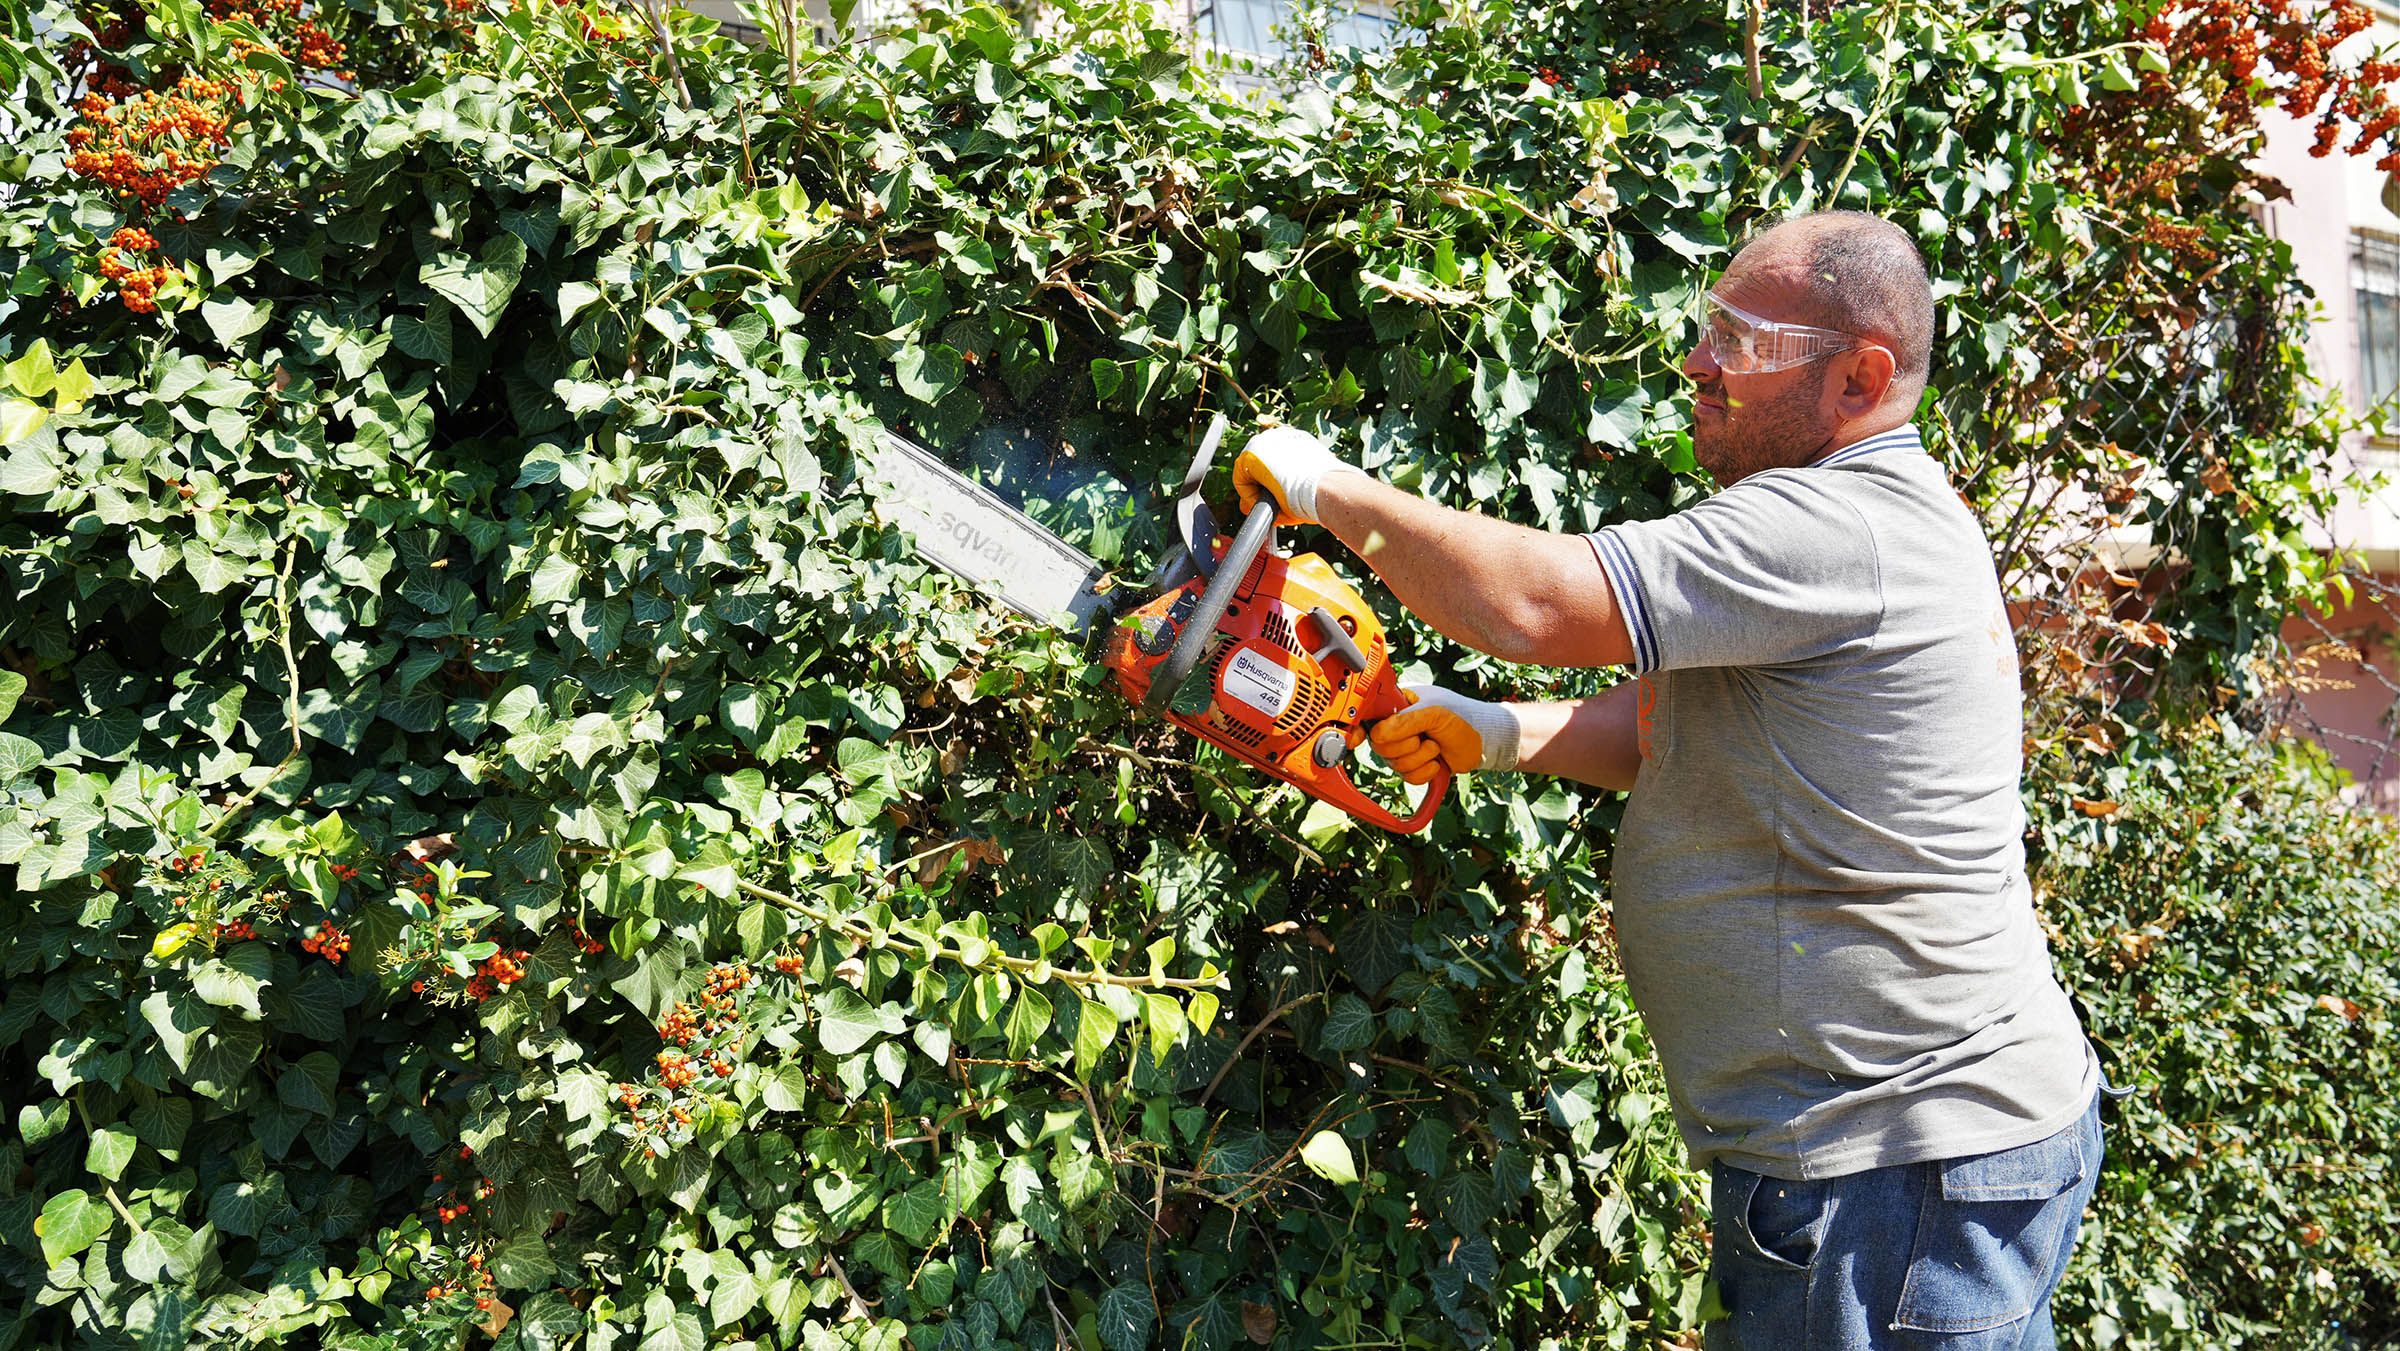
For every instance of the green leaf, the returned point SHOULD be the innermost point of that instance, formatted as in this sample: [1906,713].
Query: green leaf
[1165,1019]
[233,979]
[1127,1315]
[786,1090]
[233,320]
[524,1261]
[480,286]
[309,1084]
[427,338]
[733,1291]
[1095,1028]
[678,1331]
[1028,1019]
[111,1148]
[32,373]
[179,1018]
[1328,1155]
[19,420]
[1373,948]
[71,1222]
[928,373]
[1349,1024]
[846,1022]
[913,1214]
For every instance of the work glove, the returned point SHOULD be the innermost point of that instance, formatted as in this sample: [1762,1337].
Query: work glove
[1286,464]
[1444,729]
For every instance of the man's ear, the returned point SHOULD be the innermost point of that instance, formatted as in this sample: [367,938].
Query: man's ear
[1865,381]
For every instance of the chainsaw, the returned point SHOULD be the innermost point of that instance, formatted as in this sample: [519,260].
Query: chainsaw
[1269,656]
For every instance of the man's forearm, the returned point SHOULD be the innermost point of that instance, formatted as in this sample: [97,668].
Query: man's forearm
[1484,582]
[1594,741]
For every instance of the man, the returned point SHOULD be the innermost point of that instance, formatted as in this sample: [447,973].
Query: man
[1819,890]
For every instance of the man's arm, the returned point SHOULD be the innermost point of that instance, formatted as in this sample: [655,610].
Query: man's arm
[1595,740]
[1524,595]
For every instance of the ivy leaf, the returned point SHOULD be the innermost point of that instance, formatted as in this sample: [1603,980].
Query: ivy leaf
[786,1090]
[426,338]
[927,373]
[1328,1155]
[179,1019]
[1373,948]
[1082,863]
[524,1261]
[733,1289]
[1126,1317]
[71,1222]
[1028,1019]
[679,1331]
[111,1148]
[846,1022]
[479,286]
[233,980]
[1349,1024]
[233,320]
[914,1213]
[1095,1027]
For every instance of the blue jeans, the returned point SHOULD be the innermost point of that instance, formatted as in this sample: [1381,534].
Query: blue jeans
[1959,1254]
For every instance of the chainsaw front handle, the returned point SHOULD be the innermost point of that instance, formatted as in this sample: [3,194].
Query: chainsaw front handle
[1256,534]
[1346,795]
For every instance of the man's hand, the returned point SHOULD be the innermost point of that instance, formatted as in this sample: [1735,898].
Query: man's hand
[1286,464]
[1443,729]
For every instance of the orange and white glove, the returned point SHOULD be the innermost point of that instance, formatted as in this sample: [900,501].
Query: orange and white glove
[1286,464]
[1444,729]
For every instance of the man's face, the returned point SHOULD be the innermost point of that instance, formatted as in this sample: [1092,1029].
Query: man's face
[1742,424]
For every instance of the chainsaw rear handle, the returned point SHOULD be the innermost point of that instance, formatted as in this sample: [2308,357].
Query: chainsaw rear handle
[1256,534]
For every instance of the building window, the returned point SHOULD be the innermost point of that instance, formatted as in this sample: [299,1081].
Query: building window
[2375,280]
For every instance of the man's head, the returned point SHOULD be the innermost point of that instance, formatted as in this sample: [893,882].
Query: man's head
[1842,271]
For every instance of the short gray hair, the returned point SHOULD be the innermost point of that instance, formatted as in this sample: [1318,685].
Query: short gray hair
[1867,276]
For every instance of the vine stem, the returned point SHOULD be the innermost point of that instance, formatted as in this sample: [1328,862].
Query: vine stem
[291,667]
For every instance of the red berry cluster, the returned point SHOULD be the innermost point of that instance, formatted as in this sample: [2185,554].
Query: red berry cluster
[138,286]
[789,963]
[2225,61]
[677,1070]
[720,1007]
[477,1281]
[152,143]
[497,972]
[584,942]
[345,872]
[236,930]
[328,942]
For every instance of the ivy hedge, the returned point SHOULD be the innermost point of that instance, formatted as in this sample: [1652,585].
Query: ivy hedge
[507,836]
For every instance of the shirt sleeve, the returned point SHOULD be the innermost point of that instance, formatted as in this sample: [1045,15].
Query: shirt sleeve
[1773,571]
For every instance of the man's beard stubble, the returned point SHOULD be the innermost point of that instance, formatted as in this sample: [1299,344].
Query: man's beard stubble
[1773,433]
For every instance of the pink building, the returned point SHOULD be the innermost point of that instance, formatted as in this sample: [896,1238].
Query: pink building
[2345,691]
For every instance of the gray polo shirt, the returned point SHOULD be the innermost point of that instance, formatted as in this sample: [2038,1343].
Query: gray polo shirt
[1820,892]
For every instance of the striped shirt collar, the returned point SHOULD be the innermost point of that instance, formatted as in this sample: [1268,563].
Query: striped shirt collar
[1902,437]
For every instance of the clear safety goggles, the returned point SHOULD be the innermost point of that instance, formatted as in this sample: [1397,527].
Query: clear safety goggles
[1745,344]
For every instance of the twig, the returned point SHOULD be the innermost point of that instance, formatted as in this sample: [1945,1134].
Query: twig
[932,949]
[666,47]
[1751,14]
[1251,1036]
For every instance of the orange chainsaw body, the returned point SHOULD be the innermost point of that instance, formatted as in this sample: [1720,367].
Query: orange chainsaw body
[1281,693]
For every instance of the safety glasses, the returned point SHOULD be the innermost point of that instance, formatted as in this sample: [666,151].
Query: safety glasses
[1745,344]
